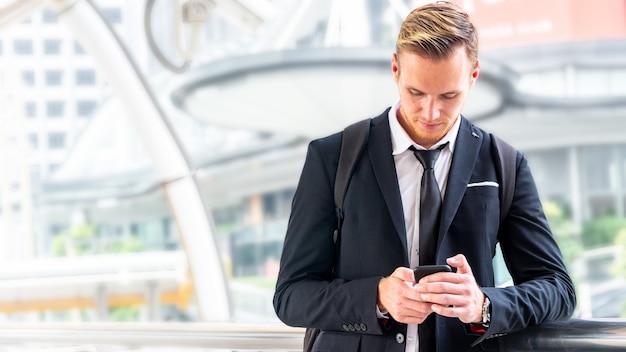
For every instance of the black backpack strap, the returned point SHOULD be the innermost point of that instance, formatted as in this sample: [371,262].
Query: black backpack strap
[352,144]
[507,159]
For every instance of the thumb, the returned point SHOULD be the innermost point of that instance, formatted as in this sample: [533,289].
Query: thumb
[460,263]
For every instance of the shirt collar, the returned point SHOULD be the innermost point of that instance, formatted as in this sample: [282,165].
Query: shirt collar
[400,140]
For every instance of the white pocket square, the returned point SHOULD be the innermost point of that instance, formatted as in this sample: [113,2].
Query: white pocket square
[483,184]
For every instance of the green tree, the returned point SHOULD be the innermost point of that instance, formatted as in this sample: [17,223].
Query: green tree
[602,231]
[78,240]
[566,233]
[83,240]
[620,263]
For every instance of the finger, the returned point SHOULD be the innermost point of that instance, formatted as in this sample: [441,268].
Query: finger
[413,313]
[449,311]
[460,263]
[404,274]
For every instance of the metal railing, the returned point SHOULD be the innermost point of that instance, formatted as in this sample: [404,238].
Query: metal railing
[570,335]
[589,335]
[231,336]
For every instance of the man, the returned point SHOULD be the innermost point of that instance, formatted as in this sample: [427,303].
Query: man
[365,298]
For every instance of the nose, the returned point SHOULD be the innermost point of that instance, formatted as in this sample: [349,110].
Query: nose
[429,108]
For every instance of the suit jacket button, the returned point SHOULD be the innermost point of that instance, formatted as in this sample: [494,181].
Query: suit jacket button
[351,327]
[357,326]
[363,327]
[345,327]
[399,338]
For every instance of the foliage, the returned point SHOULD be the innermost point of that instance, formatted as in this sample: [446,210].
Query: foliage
[566,233]
[83,240]
[602,231]
[620,265]
[76,241]
[262,282]
[129,313]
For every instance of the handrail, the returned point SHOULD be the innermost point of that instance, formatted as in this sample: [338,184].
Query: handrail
[589,335]
[191,335]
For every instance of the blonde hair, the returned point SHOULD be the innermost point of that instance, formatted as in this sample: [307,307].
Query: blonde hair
[435,30]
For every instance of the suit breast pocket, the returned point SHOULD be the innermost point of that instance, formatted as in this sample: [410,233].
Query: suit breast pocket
[479,204]
[476,222]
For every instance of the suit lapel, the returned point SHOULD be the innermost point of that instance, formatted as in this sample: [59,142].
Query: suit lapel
[465,155]
[380,153]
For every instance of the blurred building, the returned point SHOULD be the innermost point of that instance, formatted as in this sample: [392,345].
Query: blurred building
[553,83]
[52,90]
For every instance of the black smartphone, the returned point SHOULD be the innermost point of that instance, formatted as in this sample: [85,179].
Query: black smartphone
[425,270]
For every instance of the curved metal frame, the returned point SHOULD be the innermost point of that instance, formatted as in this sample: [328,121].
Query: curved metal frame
[171,165]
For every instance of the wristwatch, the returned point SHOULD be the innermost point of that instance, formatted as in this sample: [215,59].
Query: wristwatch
[486,312]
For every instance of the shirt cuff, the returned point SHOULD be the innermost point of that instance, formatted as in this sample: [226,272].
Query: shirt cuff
[477,328]
[381,314]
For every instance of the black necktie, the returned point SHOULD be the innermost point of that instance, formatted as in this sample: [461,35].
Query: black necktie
[430,208]
[430,205]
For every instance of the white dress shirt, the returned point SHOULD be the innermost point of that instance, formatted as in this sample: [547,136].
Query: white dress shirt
[410,171]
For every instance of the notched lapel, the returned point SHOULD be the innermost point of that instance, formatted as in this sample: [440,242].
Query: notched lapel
[464,158]
[379,149]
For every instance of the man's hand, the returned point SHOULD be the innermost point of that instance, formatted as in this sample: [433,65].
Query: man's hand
[397,295]
[454,295]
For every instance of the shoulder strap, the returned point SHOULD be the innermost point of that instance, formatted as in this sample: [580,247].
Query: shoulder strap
[507,159]
[352,144]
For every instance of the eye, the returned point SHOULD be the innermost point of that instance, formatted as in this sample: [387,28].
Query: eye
[415,93]
[450,96]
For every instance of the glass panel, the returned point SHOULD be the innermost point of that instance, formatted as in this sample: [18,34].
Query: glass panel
[28,77]
[592,83]
[54,77]
[617,82]
[52,46]
[550,83]
[595,167]
[23,47]
[622,163]
[547,167]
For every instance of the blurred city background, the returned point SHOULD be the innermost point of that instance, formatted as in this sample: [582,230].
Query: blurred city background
[149,153]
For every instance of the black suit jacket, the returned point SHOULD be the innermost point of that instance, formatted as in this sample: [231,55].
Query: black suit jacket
[340,298]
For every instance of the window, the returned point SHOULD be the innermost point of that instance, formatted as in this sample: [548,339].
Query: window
[56,140]
[55,108]
[78,49]
[35,173]
[113,15]
[23,47]
[596,168]
[602,205]
[33,140]
[84,108]
[53,167]
[622,162]
[85,77]
[54,78]
[49,16]
[30,109]
[52,46]
[28,77]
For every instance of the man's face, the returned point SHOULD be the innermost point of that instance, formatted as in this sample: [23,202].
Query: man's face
[432,92]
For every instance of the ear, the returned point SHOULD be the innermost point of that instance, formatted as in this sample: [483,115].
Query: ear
[475,71]
[395,67]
